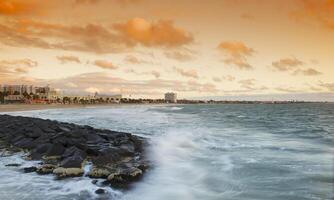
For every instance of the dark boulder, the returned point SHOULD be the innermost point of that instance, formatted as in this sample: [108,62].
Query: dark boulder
[29,169]
[40,151]
[100,191]
[33,132]
[25,143]
[55,150]
[13,165]
[73,158]
[73,151]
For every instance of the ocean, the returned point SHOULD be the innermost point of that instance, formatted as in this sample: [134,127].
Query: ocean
[202,152]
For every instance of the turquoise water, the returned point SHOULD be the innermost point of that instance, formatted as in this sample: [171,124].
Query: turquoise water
[211,152]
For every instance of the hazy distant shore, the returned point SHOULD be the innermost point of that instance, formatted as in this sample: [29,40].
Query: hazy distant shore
[28,107]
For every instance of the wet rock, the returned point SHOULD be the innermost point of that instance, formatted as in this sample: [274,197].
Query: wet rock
[29,169]
[25,143]
[63,148]
[99,173]
[125,176]
[100,191]
[13,165]
[39,151]
[73,157]
[61,172]
[46,169]
[33,132]
[56,150]
[94,182]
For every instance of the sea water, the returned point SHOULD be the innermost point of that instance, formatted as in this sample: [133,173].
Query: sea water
[202,152]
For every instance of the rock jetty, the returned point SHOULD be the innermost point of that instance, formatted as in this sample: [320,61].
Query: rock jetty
[64,149]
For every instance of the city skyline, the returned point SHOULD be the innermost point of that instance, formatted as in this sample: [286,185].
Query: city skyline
[146,48]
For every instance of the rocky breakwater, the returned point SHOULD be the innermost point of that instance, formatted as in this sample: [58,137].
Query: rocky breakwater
[65,149]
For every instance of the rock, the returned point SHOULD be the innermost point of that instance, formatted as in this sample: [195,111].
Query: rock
[94,182]
[106,156]
[29,169]
[73,157]
[73,150]
[55,150]
[64,147]
[45,169]
[25,143]
[33,132]
[98,173]
[122,177]
[73,161]
[61,172]
[13,165]
[100,191]
[40,150]
[127,149]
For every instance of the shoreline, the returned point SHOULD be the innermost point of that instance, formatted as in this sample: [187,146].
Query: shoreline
[4,108]
[29,107]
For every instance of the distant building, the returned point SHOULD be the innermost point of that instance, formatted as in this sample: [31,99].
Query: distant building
[17,89]
[171,97]
[116,98]
[28,89]
[14,98]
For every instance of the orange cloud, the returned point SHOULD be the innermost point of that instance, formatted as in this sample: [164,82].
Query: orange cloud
[178,55]
[307,72]
[286,64]
[16,7]
[236,53]
[318,11]
[66,59]
[105,64]
[294,65]
[134,60]
[199,87]
[187,73]
[162,33]
[93,37]
[13,69]
[328,86]
[247,83]
[250,85]
[20,62]
[155,73]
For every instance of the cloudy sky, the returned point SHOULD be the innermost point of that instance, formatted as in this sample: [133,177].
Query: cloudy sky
[196,48]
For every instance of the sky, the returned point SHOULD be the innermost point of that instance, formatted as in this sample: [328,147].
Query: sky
[196,48]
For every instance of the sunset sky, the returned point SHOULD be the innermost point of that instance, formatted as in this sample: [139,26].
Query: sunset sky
[145,48]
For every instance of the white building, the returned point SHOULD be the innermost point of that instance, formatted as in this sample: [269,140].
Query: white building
[171,97]
[29,89]
[17,89]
